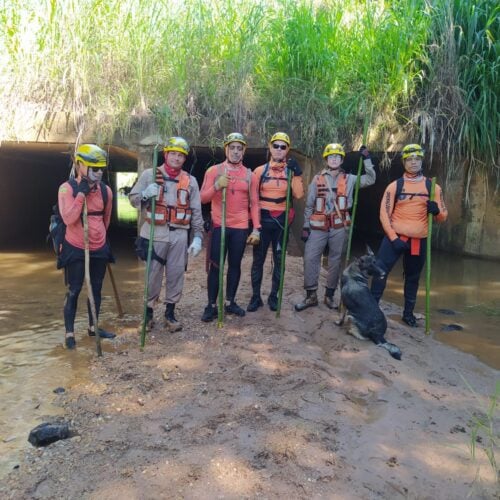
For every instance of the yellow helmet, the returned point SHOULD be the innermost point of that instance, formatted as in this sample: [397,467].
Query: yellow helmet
[280,136]
[177,144]
[235,137]
[412,150]
[91,156]
[333,149]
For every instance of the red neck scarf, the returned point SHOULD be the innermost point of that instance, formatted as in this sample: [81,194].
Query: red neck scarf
[170,171]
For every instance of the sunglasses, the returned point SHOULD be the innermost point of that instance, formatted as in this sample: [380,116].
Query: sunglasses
[280,146]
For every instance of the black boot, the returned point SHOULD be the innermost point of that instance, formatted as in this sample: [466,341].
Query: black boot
[311,300]
[234,308]
[102,333]
[170,320]
[209,314]
[329,293]
[272,301]
[149,318]
[255,303]
[410,319]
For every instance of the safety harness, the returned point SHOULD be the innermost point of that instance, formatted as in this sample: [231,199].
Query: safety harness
[340,217]
[180,213]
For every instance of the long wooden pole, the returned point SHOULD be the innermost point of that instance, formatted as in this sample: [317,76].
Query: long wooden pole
[284,243]
[428,264]
[115,292]
[90,293]
[150,253]
[222,250]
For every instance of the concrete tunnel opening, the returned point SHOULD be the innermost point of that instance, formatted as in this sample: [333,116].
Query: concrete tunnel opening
[32,173]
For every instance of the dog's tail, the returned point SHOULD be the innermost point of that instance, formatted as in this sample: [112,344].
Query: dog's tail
[393,349]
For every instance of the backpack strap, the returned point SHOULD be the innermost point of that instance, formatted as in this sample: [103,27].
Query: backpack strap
[399,188]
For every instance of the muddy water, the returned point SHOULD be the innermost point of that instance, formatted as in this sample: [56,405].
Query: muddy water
[34,362]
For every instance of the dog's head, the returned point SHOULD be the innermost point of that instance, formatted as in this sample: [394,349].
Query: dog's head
[369,267]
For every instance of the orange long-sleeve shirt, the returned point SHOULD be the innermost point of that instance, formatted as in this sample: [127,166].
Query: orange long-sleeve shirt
[71,209]
[241,199]
[275,187]
[408,217]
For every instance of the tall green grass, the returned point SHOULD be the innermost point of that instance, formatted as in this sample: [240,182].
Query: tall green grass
[313,68]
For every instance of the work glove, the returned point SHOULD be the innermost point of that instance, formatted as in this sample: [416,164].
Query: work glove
[221,182]
[195,247]
[365,154]
[83,187]
[150,192]
[399,245]
[254,238]
[432,207]
[294,166]
[306,232]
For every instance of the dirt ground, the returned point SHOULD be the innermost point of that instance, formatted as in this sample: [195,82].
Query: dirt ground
[268,408]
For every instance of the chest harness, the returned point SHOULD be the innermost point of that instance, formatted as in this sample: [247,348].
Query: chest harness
[340,216]
[180,213]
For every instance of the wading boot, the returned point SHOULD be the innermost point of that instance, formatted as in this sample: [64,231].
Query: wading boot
[70,342]
[234,308]
[102,333]
[149,318]
[255,303]
[311,300]
[272,301]
[170,321]
[410,319]
[329,292]
[209,314]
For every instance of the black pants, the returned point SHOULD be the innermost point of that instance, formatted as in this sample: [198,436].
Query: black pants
[74,276]
[412,267]
[271,234]
[235,242]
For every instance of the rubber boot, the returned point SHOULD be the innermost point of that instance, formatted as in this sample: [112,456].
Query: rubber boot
[329,292]
[149,318]
[408,316]
[170,321]
[311,300]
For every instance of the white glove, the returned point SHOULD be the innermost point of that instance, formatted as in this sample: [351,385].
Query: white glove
[195,247]
[150,192]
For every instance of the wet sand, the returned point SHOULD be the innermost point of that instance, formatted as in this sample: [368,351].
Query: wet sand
[267,408]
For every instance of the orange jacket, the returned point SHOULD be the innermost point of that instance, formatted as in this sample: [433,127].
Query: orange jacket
[408,217]
[241,199]
[274,187]
[71,208]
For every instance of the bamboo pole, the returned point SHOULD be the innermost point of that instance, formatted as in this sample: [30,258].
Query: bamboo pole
[284,243]
[428,264]
[88,283]
[222,250]
[150,253]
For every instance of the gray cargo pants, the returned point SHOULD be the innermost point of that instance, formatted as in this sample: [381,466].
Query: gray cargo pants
[174,252]
[336,240]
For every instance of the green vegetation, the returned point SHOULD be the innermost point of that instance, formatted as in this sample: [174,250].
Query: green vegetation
[314,68]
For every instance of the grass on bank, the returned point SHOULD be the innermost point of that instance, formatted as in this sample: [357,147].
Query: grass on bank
[310,67]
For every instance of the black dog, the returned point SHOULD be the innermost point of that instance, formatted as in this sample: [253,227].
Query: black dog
[368,321]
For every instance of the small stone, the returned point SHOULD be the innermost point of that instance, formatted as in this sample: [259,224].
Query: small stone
[59,390]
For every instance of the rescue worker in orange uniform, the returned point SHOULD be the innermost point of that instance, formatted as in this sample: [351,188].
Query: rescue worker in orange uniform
[272,180]
[404,216]
[241,201]
[90,161]
[327,219]
[178,208]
